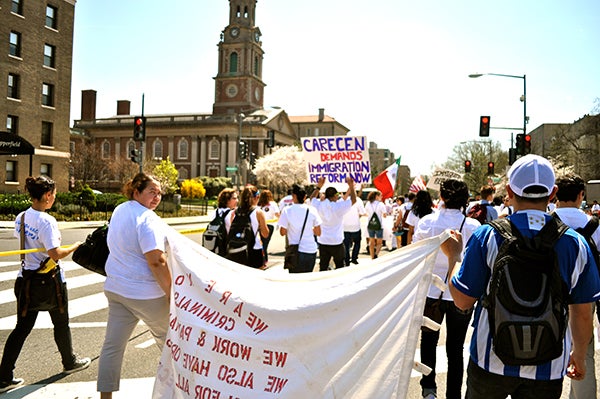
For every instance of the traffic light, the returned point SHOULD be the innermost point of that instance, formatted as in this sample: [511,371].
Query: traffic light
[243,150]
[490,168]
[520,144]
[512,155]
[484,126]
[135,156]
[526,144]
[271,138]
[467,166]
[139,128]
[252,160]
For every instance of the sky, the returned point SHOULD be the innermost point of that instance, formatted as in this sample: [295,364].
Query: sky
[395,71]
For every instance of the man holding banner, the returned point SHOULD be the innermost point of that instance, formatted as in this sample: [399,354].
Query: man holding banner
[332,211]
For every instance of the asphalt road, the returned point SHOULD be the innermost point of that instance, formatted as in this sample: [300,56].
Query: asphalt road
[39,362]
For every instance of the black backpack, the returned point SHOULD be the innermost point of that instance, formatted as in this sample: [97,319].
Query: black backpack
[215,236]
[527,299]
[241,237]
[587,231]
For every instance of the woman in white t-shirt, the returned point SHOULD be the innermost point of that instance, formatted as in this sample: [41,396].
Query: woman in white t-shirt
[375,206]
[138,280]
[271,210]
[422,206]
[38,229]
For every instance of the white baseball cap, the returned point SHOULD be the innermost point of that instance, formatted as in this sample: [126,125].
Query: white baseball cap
[529,171]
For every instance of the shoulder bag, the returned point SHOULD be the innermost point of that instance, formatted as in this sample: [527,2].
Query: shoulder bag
[92,254]
[291,259]
[41,289]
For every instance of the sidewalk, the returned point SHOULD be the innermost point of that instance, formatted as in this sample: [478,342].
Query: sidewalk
[10,224]
[130,388]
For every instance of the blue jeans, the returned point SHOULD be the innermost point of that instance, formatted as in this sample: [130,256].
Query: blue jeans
[482,384]
[352,239]
[457,323]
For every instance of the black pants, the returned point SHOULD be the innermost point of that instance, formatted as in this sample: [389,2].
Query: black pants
[16,339]
[352,240]
[326,252]
[265,241]
[457,323]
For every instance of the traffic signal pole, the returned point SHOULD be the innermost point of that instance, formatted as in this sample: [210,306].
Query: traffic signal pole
[142,145]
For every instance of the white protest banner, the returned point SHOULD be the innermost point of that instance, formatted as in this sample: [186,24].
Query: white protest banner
[335,158]
[242,333]
[441,175]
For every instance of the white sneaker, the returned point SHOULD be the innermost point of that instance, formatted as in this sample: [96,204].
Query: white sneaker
[78,365]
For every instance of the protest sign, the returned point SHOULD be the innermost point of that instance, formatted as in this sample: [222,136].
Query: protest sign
[335,158]
[441,175]
[242,333]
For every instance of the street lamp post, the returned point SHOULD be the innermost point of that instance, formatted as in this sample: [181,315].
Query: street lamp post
[523,97]
[238,164]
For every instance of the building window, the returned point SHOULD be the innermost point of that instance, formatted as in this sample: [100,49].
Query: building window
[157,150]
[233,62]
[51,17]
[183,149]
[49,55]
[183,173]
[256,71]
[46,169]
[15,44]
[46,134]
[11,171]
[12,124]
[13,86]
[105,149]
[48,94]
[130,147]
[214,149]
[17,7]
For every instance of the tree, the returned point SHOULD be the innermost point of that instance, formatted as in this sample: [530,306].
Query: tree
[192,188]
[214,185]
[281,169]
[166,173]
[87,166]
[478,152]
[123,170]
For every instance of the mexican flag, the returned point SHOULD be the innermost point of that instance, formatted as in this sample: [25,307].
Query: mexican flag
[386,180]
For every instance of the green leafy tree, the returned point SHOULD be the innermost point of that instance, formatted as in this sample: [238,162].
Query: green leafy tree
[167,175]
[479,153]
[214,185]
[192,188]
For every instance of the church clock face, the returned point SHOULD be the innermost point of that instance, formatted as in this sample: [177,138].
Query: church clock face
[231,90]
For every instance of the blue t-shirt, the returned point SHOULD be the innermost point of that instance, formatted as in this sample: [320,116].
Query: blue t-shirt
[577,268]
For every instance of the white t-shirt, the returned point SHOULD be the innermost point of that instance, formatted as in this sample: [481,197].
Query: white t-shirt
[41,231]
[351,221]
[270,210]
[576,218]
[134,230]
[376,207]
[332,214]
[292,219]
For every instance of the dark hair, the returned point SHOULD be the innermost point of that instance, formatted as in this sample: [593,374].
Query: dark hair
[224,197]
[373,195]
[486,191]
[423,204]
[265,198]
[250,192]
[330,192]
[455,194]
[569,187]
[38,186]
[299,192]
[498,200]
[138,183]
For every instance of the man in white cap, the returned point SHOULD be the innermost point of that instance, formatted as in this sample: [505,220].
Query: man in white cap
[530,187]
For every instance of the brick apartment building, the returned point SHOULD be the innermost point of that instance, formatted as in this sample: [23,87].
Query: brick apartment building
[35,65]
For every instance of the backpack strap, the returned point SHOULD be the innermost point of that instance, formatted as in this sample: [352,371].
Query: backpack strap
[590,227]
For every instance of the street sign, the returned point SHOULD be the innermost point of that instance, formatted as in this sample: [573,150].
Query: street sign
[231,168]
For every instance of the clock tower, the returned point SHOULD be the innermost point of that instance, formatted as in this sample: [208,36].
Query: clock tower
[238,84]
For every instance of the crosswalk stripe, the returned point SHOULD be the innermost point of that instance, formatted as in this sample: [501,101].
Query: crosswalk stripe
[77,307]
[7,296]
